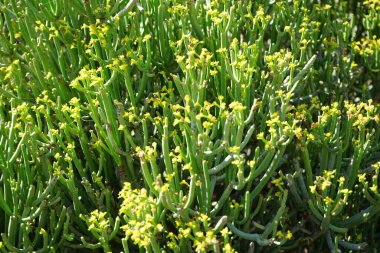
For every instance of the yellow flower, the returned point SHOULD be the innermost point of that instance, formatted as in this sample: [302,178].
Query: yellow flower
[328,200]
[345,192]
[70,146]
[313,189]
[147,37]
[159,227]
[237,106]
[57,156]
[288,235]
[234,149]
[362,178]
[225,232]
[277,182]
[325,185]
[298,132]
[373,188]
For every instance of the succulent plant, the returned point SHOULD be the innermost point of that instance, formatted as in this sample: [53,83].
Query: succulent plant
[189,126]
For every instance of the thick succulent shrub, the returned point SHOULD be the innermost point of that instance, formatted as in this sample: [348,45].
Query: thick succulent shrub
[189,126]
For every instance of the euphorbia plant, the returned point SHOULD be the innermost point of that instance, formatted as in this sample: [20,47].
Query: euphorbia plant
[182,126]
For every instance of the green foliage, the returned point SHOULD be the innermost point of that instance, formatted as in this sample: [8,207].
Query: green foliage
[189,126]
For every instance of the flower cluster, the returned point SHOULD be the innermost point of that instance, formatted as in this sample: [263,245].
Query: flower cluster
[140,213]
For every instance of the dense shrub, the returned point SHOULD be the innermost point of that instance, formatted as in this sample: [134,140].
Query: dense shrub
[189,126]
